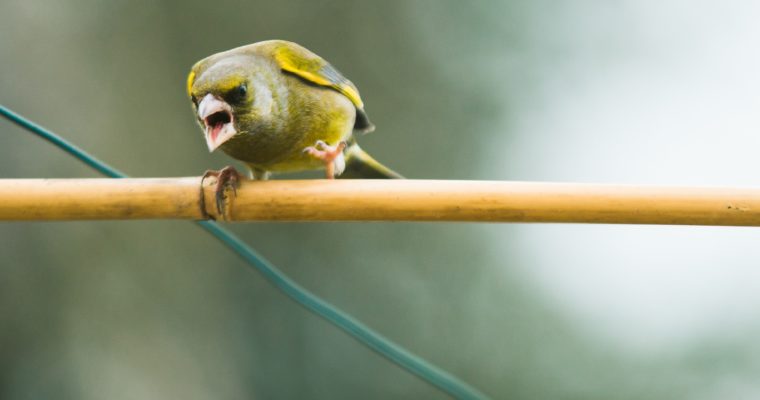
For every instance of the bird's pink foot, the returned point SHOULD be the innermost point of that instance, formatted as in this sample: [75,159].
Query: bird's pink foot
[332,156]
[226,178]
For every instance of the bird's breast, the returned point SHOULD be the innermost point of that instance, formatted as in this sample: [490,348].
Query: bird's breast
[300,115]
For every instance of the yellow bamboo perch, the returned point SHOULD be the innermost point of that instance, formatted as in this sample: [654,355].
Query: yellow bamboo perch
[378,200]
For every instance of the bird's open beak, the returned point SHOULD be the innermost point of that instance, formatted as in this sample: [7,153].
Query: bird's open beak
[217,119]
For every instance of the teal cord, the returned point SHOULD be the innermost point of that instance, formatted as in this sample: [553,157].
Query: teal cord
[364,334]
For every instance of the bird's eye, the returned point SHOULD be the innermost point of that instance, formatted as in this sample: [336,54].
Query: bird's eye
[242,90]
[237,95]
[194,99]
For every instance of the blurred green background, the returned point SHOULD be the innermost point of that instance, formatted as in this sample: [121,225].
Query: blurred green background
[613,91]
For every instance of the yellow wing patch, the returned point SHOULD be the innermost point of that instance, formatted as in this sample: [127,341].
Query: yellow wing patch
[309,66]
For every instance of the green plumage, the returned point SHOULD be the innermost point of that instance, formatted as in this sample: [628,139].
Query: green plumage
[283,99]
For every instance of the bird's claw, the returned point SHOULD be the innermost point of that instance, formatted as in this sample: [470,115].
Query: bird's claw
[226,178]
[332,156]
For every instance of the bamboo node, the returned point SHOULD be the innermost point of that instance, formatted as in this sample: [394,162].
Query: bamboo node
[211,207]
[202,201]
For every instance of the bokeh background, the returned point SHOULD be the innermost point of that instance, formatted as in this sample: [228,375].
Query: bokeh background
[625,91]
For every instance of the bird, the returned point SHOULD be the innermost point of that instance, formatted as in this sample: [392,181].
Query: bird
[278,107]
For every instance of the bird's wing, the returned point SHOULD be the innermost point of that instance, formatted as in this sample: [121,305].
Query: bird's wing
[313,68]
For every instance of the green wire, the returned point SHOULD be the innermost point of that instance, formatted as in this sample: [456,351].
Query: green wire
[364,334]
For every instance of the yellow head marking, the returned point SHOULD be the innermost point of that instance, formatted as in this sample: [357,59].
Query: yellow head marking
[228,83]
[215,80]
[190,80]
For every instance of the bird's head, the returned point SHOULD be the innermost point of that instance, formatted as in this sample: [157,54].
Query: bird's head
[222,95]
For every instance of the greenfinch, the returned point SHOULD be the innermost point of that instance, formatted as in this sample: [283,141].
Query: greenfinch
[278,107]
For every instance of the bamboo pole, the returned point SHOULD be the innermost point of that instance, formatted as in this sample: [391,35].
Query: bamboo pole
[377,200]
[85,199]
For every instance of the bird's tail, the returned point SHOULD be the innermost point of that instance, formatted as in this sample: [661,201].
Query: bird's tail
[360,165]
